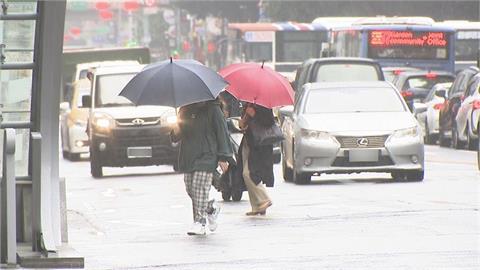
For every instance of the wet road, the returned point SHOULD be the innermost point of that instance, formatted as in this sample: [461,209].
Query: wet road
[136,218]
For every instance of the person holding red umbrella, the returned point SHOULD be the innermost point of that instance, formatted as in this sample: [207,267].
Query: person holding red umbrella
[263,89]
[256,161]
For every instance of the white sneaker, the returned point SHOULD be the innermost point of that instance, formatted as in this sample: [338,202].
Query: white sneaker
[212,218]
[197,229]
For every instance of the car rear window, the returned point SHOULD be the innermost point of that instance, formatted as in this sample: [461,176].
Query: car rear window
[346,72]
[348,100]
[426,82]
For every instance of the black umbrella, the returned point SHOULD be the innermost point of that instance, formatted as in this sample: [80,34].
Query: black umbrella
[174,83]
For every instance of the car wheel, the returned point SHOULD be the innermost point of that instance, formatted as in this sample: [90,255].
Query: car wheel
[65,154]
[95,167]
[74,156]
[429,139]
[237,196]
[287,172]
[456,143]
[472,144]
[415,175]
[442,140]
[226,194]
[301,178]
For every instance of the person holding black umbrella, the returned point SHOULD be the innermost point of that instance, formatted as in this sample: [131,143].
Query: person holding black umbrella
[201,128]
[204,146]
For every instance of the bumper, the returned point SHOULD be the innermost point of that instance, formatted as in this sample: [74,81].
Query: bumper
[112,148]
[78,140]
[329,157]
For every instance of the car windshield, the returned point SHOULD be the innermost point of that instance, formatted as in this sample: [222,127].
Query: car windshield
[346,72]
[348,100]
[109,86]
[425,81]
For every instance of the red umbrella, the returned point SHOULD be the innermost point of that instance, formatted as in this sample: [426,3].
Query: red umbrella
[258,84]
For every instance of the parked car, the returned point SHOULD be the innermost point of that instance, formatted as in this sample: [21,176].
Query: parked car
[122,134]
[451,106]
[427,113]
[73,122]
[337,69]
[468,116]
[351,127]
[391,72]
[415,85]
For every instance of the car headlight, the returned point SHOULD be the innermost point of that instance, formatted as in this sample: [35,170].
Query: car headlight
[406,133]
[316,135]
[103,121]
[171,119]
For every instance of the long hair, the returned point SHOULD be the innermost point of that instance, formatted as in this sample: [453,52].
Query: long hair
[264,116]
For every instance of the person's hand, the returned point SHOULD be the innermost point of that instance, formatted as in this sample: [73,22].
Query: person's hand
[223,165]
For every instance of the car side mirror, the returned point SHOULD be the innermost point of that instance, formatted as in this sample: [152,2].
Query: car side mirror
[419,108]
[441,93]
[86,101]
[286,111]
[64,106]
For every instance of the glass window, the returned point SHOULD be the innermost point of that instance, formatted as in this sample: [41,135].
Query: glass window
[297,46]
[349,100]
[425,82]
[346,72]
[258,51]
[467,45]
[108,87]
[18,37]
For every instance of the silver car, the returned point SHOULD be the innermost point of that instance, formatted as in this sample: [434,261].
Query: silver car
[351,127]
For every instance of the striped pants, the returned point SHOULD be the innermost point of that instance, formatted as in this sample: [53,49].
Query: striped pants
[198,186]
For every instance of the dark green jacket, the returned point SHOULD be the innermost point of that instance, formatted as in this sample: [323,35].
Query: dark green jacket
[204,138]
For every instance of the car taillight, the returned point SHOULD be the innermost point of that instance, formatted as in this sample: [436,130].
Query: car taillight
[407,94]
[397,72]
[438,106]
[476,104]
[431,75]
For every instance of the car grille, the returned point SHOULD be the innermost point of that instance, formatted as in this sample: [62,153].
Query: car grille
[344,162]
[145,121]
[141,136]
[362,142]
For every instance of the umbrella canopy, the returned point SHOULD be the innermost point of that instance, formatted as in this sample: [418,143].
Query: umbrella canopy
[258,84]
[174,83]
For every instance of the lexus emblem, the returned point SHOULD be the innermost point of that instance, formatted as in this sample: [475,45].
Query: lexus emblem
[362,142]
[138,121]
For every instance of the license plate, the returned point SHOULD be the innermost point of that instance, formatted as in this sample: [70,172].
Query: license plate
[139,152]
[417,100]
[363,155]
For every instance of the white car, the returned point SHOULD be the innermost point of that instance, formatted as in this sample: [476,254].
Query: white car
[428,113]
[468,115]
[351,127]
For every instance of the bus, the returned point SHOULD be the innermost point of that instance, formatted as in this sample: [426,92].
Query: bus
[283,46]
[397,42]
[467,43]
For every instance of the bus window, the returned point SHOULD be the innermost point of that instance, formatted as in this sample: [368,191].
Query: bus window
[258,51]
[467,45]
[297,46]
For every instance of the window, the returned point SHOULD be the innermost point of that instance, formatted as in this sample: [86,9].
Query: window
[353,100]
[346,72]
[425,82]
[109,86]
[296,46]
[258,51]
